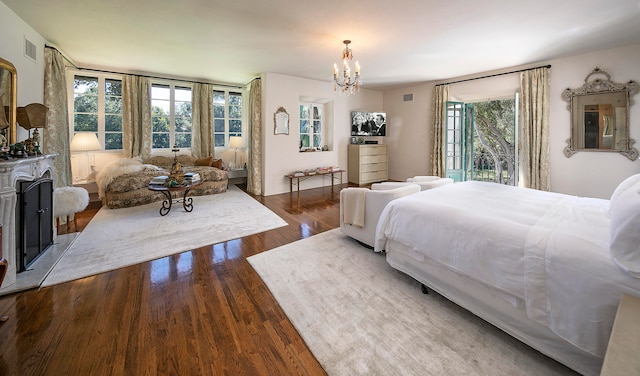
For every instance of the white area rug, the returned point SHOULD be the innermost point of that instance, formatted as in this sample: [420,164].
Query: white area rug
[359,316]
[120,237]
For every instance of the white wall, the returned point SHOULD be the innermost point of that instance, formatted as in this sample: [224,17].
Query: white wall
[281,155]
[30,74]
[592,174]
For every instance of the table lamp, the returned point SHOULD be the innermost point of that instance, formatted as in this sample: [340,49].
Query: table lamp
[235,142]
[85,141]
[32,116]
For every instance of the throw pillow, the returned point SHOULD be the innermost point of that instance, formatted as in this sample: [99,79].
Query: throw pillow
[217,163]
[203,161]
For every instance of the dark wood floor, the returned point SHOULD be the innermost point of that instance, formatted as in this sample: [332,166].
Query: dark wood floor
[202,312]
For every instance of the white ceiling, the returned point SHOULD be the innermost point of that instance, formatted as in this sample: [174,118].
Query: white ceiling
[396,42]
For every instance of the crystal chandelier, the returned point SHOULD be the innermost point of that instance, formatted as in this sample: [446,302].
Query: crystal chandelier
[345,82]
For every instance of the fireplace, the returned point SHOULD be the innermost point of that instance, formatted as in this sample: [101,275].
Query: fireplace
[34,217]
[13,173]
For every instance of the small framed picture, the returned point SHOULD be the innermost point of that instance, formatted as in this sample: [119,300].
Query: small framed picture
[354,140]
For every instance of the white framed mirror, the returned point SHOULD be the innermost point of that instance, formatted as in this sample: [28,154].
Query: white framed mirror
[600,115]
[281,121]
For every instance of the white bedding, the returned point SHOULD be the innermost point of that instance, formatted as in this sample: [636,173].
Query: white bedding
[548,249]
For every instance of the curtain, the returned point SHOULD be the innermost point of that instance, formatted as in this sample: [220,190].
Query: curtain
[254,165]
[136,116]
[56,136]
[534,129]
[438,126]
[202,120]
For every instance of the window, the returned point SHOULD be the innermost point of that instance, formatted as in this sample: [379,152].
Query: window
[170,116]
[481,141]
[97,107]
[311,126]
[227,116]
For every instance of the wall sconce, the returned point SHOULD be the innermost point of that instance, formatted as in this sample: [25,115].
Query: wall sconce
[85,141]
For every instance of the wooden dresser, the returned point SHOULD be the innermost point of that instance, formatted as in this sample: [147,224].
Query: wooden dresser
[367,163]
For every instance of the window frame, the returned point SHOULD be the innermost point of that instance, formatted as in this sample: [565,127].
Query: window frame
[172,114]
[101,112]
[311,133]
[226,133]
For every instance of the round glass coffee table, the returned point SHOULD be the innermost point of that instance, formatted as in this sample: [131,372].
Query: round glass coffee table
[187,202]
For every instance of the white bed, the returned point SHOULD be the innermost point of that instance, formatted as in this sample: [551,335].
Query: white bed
[536,264]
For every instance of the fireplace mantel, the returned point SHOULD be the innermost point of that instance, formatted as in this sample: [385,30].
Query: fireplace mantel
[12,171]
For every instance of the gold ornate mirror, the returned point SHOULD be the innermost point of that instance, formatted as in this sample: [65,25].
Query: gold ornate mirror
[600,115]
[281,121]
[8,99]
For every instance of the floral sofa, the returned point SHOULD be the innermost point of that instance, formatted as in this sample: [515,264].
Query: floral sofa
[123,183]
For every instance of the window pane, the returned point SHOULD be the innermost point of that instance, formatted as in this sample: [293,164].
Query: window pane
[218,111]
[317,126]
[183,140]
[160,92]
[304,126]
[85,103]
[235,99]
[235,112]
[235,126]
[113,87]
[160,124]
[304,140]
[183,124]
[218,125]
[317,113]
[113,105]
[113,141]
[317,140]
[218,97]
[113,123]
[304,112]
[83,85]
[161,140]
[183,94]
[218,139]
[85,122]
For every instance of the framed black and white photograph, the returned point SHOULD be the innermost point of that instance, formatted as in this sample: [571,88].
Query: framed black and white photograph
[368,123]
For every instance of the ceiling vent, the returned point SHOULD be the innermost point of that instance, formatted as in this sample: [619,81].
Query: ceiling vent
[29,49]
[408,97]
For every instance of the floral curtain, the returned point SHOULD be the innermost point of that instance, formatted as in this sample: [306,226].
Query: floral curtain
[136,116]
[534,129]
[202,120]
[56,136]
[254,165]
[438,126]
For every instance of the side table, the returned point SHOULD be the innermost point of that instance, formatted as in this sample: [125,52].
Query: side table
[187,203]
[240,175]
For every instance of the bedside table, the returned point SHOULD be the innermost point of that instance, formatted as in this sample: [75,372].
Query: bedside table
[623,353]
[90,186]
[238,176]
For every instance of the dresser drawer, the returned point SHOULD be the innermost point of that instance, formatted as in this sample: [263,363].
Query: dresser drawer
[373,159]
[372,167]
[374,176]
[373,150]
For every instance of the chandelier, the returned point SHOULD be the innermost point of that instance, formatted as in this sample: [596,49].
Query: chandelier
[345,82]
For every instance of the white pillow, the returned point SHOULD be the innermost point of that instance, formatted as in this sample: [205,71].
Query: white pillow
[624,245]
[626,183]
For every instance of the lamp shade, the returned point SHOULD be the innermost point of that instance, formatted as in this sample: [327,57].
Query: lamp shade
[235,142]
[33,115]
[85,141]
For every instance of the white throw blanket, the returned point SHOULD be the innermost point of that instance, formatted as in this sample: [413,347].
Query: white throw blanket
[120,167]
[353,206]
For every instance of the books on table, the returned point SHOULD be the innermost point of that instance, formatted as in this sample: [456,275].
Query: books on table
[192,177]
[159,180]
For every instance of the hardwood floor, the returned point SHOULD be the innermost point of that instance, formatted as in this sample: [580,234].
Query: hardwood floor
[202,312]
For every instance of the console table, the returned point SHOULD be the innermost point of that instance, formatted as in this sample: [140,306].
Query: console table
[306,175]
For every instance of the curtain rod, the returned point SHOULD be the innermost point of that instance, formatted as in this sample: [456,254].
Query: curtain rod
[141,75]
[494,75]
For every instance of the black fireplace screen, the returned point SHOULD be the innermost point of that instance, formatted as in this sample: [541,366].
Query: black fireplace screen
[35,219]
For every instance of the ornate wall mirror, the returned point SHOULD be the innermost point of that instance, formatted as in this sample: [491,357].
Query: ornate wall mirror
[8,100]
[281,121]
[600,115]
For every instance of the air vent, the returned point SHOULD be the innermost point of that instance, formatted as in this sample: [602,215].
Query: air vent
[29,49]
[408,97]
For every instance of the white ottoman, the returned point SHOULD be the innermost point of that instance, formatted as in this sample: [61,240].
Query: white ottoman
[67,201]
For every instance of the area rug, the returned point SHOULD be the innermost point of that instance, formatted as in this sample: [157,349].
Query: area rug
[359,316]
[121,237]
